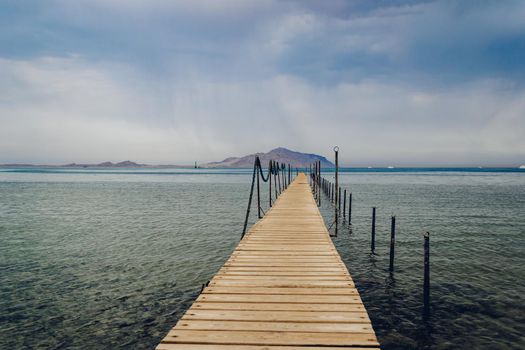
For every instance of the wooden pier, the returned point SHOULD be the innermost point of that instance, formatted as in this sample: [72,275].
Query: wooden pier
[284,287]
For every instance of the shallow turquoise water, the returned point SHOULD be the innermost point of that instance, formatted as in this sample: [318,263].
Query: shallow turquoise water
[100,260]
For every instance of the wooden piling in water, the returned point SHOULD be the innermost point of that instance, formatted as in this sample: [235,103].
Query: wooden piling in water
[373,240]
[426,274]
[350,208]
[392,243]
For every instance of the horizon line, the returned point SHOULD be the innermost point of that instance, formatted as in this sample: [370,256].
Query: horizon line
[202,165]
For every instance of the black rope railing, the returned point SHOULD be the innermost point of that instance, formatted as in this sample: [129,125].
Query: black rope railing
[278,171]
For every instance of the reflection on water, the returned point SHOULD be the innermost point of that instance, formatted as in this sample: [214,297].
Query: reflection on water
[111,260]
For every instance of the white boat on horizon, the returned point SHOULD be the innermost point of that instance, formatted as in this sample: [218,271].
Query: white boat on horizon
[521,167]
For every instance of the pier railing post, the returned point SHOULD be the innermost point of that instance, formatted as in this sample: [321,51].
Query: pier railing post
[258,167]
[270,183]
[316,182]
[426,277]
[319,182]
[250,200]
[310,175]
[337,201]
[283,168]
[392,243]
[373,241]
[279,177]
[283,176]
[344,206]
[274,167]
[312,179]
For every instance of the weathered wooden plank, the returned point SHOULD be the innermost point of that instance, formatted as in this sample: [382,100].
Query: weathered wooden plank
[270,258]
[277,306]
[278,316]
[265,298]
[296,284]
[287,258]
[337,269]
[230,277]
[275,326]
[270,253]
[274,240]
[282,264]
[186,346]
[269,338]
[329,260]
[256,273]
[292,262]
[279,291]
[286,247]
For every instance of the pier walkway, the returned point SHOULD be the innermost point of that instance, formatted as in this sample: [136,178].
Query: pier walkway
[283,288]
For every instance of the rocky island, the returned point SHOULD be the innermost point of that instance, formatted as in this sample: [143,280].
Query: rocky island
[280,154]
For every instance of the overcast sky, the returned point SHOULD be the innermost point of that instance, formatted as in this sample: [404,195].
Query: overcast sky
[165,81]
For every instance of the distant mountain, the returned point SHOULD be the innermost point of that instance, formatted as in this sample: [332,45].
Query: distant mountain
[281,154]
[124,164]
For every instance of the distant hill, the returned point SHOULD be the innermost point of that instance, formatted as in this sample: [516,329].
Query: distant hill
[124,164]
[281,154]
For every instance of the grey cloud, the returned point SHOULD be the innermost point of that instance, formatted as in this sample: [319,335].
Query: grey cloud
[85,114]
[174,82]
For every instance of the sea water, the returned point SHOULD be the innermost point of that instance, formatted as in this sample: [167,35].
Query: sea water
[105,259]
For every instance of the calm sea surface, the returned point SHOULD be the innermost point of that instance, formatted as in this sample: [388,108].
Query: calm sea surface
[105,259]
